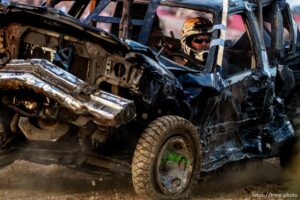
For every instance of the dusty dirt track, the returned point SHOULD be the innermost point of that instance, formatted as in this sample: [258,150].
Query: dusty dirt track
[24,180]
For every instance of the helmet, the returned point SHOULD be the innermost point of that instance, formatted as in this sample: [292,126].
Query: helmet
[191,28]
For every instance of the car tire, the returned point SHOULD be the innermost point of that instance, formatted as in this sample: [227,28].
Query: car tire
[289,152]
[166,159]
[293,113]
[290,149]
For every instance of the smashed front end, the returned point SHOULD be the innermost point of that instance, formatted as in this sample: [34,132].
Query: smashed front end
[46,69]
[49,65]
[75,95]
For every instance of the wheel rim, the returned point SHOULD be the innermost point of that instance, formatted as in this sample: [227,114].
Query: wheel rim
[175,165]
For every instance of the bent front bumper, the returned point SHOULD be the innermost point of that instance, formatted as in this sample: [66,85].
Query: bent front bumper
[78,96]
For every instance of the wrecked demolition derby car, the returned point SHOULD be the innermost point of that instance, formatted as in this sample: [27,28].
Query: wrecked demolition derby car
[76,95]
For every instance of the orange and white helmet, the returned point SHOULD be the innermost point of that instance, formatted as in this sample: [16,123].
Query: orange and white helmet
[192,28]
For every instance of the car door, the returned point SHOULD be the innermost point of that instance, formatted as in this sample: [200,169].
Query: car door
[234,118]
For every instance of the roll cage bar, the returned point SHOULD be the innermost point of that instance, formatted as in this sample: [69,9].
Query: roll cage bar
[124,22]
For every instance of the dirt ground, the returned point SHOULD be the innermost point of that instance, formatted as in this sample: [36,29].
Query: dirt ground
[28,181]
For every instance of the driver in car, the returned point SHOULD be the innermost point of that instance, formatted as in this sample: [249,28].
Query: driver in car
[196,37]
